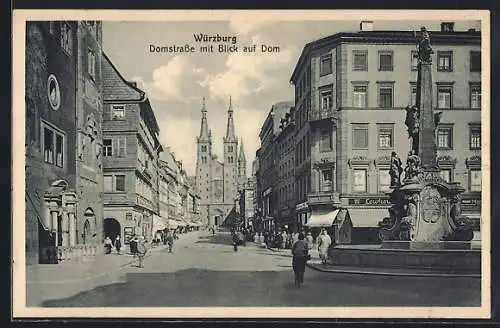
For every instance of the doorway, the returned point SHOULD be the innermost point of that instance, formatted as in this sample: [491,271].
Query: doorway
[112,228]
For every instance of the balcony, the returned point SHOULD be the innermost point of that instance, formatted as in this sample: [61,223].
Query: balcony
[325,114]
[323,198]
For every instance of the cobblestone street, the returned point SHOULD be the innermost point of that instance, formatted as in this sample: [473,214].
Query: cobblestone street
[205,271]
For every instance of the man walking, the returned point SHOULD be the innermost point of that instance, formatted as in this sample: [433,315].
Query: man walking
[170,240]
[324,242]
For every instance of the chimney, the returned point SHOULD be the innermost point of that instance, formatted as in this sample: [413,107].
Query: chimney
[365,26]
[447,26]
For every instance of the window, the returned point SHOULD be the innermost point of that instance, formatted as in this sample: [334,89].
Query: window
[119,146]
[326,100]
[360,60]
[475,137]
[384,180]
[445,96]
[360,136]
[204,148]
[445,137]
[447,26]
[114,183]
[325,65]
[359,184]
[475,61]
[204,160]
[230,149]
[66,38]
[445,175]
[325,143]
[327,180]
[119,183]
[385,95]
[413,94]
[91,64]
[475,180]
[385,61]
[118,112]
[445,61]
[414,60]
[359,98]
[53,146]
[475,96]
[230,159]
[107,147]
[385,136]
[108,183]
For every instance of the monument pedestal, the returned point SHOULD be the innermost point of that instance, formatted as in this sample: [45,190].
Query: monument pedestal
[426,209]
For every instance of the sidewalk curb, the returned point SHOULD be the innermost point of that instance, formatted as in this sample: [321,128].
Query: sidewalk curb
[399,274]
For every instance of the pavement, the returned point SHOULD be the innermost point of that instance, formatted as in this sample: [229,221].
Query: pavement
[206,271]
[68,278]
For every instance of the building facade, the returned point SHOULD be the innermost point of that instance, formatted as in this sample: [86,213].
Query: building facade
[355,87]
[268,159]
[216,181]
[130,158]
[285,184]
[63,140]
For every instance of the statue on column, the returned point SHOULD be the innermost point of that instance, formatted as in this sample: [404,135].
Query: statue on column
[408,222]
[395,170]
[412,169]
[424,46]
[412,122]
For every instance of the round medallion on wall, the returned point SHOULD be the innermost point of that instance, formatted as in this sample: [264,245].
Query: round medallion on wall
[53,92]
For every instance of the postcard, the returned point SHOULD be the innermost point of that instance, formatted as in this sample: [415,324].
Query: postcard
[251,164]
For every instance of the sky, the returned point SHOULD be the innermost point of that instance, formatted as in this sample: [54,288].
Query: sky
[177,82]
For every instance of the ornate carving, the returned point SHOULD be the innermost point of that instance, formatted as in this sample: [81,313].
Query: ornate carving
[424,46]
[395,170]
[358,160]
[473,161]
[431,208]
[412,169]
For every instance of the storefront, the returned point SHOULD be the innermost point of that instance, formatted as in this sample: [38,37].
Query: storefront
[365,214]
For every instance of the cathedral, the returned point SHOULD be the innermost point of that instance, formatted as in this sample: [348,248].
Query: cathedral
[217,182]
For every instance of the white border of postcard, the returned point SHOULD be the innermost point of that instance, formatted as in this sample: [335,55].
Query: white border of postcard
[18,184]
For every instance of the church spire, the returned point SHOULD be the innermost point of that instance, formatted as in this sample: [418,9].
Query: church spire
[241,157]
[230,135]
[204,133]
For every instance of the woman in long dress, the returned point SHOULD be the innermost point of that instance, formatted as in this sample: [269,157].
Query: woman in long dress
[324,242]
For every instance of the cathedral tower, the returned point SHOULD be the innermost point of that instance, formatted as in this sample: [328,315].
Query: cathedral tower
[242,168]
[203,163]
[230,159]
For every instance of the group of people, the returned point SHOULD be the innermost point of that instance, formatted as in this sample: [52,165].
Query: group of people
[109,244]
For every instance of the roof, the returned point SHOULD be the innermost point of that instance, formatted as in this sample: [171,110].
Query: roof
[115,87]
[385,37]
[279,110]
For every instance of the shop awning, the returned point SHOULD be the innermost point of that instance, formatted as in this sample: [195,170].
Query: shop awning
[172,223]
[159,223]
[322,219]
[367,217]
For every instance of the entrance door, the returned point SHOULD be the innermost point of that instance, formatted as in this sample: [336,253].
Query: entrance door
[86,235]
[112,228]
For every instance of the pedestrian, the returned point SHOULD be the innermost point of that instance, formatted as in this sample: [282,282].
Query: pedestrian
[300,256]
[133,245]
[170,240]
[118,244]
[324,242]
[107,245]
[141,250]
[309,240]
[283,239]
[235,241]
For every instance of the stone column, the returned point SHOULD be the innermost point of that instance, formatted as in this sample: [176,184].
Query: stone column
[54,212]
[65,229]
[427,150]
[72,229]
[47,216]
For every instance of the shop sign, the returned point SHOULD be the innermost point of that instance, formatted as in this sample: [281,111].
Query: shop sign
[370,201]
[470,202]
[301,206]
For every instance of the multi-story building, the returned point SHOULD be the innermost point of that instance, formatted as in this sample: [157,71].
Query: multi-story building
[355,87]
[216,181]
[130,157]
[257,221]
[63,139]
[268,171]
[285,186]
